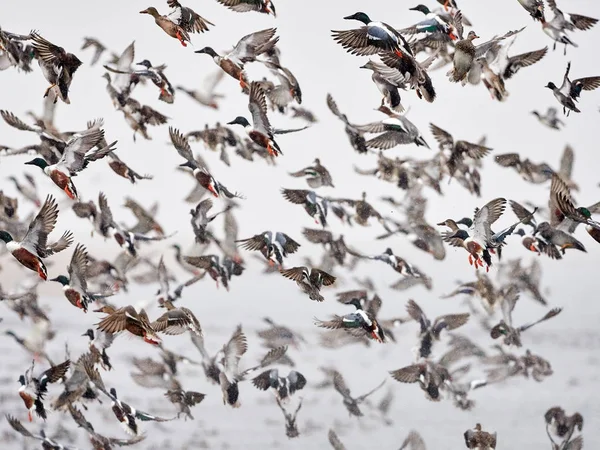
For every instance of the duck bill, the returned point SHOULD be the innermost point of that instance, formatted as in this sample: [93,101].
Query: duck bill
[187,164]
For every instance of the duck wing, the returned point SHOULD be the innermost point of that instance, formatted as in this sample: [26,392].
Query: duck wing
[296,196]
[78,267]
[482,49]
[46,50]
[509,300]
[319,277]
[485,217]
[255,243]
[254,44]
[449,322]
[73,158]
[288,244]
[181,144]
[187,18]
[517,62]
[413,441]
[257,106]
[523,214]
[444,138]
[364,396]
[390,139]
[408,374]
[340,384]
[356,42]
[560,197]
[233,350]
[172,322]
[317,236]
[117,321]
[335,441]
[36,238]
[417,314]
[240,5]
[298,274]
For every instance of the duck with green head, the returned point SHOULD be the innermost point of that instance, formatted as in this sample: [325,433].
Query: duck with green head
[34,246]
[75,157]
[433,23]
[75,285]
[373,38]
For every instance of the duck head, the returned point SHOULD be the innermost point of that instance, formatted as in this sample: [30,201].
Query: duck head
[21,380]
[188,164]
[239,120]
[152,11]
[61,279]
[39,162]
[5,236]
[368,65]
[89,333]
[355,302]
[466,222]
[550,85]
[585,212]
[360,16]
[424,9]
[208,51]
[472,36]
[147,64]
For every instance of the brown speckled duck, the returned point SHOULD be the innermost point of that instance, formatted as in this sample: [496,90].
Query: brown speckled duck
[180,22]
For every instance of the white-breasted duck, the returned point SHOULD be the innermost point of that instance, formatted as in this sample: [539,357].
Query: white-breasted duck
[569,91]
[272,244]
[32,390]
[284,387]
[34,247]
[433,23]
[75,285]
[315,205]
[261,131]
[201,174]
[372,38]
[75,158]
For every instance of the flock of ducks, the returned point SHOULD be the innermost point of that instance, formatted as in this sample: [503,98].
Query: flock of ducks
[400,61]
